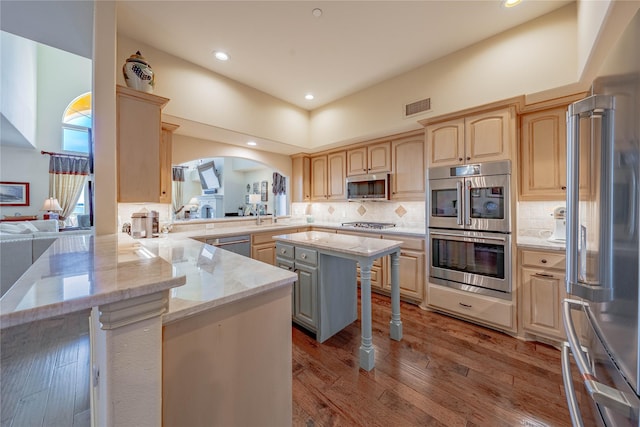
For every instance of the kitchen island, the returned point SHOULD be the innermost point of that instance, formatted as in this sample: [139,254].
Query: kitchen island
[362,250]
[143,312]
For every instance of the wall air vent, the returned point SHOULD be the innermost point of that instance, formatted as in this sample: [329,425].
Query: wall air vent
[417,107]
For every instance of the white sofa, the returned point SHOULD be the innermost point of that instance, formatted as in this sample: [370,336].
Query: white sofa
[21,243]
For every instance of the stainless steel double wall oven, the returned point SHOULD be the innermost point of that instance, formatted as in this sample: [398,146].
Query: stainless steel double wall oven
[469,227]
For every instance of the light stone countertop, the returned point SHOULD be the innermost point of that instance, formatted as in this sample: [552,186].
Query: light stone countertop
[79,272]
[341,243]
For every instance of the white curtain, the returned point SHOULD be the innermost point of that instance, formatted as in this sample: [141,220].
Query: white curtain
[67,177]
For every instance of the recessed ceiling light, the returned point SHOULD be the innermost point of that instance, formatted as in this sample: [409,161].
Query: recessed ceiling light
[252,143]
[308,96]
[317,12]
[511,3]
[221,55]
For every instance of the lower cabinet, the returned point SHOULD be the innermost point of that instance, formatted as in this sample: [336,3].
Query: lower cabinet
[542,284]
[412,268]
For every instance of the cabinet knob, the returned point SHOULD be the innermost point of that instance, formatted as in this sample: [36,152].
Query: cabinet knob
[283,251]
[459,159]
[468,158]
[564,187]
[544,261]
[465,305]
[303,256]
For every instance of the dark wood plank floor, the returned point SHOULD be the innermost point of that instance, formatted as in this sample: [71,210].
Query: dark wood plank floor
[44,373]
[445,372]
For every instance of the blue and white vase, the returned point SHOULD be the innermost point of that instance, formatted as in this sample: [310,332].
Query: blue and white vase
[138,74]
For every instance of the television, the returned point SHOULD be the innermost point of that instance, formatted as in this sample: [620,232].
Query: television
[208,176]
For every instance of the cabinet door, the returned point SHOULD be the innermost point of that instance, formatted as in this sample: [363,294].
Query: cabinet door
[300,179]
[543,293]
[488,136]
[265,252]
[166,175]
[408,171]
[379,157]
[445,143]
[543,156]
[138,116]
[357,161]
[305,295]
[336,180]
[319,178]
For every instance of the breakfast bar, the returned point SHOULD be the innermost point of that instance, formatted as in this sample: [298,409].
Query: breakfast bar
[363,250]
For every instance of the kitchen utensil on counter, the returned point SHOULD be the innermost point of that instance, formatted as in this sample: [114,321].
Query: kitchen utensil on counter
[144,224]
[559,228]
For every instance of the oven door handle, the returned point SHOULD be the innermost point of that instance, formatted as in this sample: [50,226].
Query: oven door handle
[461,204]
[459,238]
[467,203]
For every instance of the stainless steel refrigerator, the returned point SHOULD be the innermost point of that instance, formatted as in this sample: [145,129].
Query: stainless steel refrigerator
[601,318]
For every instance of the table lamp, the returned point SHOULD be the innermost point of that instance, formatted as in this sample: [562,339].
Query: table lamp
[52,207]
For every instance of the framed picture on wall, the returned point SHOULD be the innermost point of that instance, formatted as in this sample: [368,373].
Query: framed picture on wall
[14,193]
[264,194]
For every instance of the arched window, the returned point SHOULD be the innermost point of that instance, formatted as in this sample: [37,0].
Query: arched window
[76,125]
[76,138]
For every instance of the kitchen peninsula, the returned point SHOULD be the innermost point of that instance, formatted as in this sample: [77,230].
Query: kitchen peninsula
[166,311]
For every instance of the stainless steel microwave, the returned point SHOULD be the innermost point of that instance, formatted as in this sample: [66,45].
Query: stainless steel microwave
[368,187]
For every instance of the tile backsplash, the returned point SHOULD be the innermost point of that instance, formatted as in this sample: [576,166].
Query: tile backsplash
[535,219]
[403,214]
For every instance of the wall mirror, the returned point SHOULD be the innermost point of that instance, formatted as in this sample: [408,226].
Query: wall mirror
[219,187]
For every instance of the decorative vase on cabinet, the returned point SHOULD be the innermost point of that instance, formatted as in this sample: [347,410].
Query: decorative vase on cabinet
[138,74]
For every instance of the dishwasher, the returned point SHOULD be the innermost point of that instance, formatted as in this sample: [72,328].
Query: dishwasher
[236,244]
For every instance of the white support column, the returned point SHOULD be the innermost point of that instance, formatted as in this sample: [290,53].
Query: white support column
[126,355]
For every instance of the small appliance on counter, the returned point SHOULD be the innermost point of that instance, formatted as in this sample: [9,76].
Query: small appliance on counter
[144,224]
[559,228]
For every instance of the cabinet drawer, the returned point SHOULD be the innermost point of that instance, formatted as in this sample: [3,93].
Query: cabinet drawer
[308,256]
[286,264]
[541,259]
[284,251]
[256,239]
[483,308]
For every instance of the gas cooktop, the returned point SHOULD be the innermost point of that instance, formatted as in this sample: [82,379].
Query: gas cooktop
[373,225]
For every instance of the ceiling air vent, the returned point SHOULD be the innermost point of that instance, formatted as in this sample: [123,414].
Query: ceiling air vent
[417,107]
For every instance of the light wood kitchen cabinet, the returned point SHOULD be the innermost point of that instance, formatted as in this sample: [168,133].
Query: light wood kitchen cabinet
[166,173]
[542,284]
[543,156]
[408,168]
[140,148]
[328,177]
[369,159]
[481,137]
[412,268]
[263,247]
[300,178]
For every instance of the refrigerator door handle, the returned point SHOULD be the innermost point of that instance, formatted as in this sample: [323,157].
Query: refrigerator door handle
[601,393]
[600,106]
[572,402]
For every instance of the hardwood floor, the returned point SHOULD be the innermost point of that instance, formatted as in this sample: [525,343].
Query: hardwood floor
[445,372]
[44,373]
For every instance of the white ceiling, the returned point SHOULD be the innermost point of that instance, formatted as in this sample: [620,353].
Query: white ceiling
[280,48]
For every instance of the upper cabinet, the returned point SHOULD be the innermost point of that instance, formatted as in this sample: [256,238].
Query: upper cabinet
[369,159]
[543,155]
[480,137]
[408,171]
[143,157]
[300,178]
[328,176]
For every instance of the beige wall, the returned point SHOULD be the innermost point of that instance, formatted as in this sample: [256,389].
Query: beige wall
[533,57]
[202,96]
